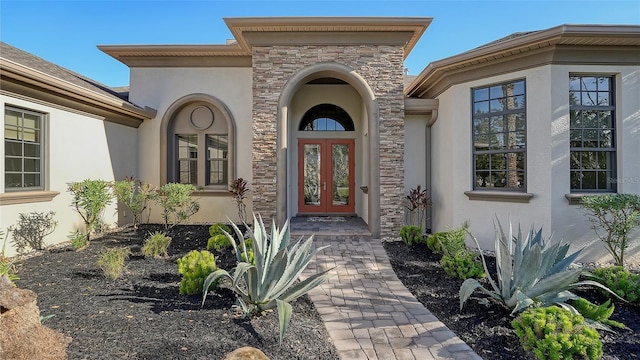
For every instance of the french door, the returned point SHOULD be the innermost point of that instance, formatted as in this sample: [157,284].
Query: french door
[326,181]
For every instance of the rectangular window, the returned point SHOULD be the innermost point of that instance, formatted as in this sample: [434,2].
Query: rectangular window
[188,159]
[23,150]
[499,136]
[217,159]
[592,133]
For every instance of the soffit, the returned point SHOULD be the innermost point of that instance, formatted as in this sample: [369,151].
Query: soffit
[517,46]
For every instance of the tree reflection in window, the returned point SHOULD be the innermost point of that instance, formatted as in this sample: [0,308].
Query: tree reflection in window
[326,117]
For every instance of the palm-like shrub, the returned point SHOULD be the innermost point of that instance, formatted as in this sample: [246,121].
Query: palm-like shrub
[529,270]
[271,281]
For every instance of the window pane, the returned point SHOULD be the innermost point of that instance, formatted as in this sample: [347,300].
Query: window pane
[574,83]
[12,164]
[12,118]
[12,180]
[12,133]
[481,94]
[589,180]
[31,180]
[31,121]
[518,88]
[496,92]
[481,125]
[604,119]
[497,105]
[482,161]
[589,83]
[12,148]
[217,153]
[606,139]
[482,142]
[497,124]
[31,165]
[32,150]
[590,119]
[481,178]
[481,107]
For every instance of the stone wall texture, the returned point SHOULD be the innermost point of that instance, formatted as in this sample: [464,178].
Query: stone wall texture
[381,66]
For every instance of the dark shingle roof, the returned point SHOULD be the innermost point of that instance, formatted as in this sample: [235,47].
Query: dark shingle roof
[31,61]
[507,38]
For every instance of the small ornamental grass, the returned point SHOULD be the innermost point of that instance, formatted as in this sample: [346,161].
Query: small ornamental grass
[555,333]
[195,267]
[78,240]
[111,261]
[156,245]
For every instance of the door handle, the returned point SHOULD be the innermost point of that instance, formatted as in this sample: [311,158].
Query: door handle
[324,185]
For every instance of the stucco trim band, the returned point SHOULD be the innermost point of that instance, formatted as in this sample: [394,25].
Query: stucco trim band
[26,197]
[517,197]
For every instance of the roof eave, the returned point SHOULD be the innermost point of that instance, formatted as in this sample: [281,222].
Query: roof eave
[12,70]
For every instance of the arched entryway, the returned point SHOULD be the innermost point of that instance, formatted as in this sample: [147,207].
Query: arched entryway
[299,95]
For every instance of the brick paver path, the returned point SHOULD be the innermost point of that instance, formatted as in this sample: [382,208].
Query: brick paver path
[369,313]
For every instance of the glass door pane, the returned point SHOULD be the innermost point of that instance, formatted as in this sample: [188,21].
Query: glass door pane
[340,174]
[312,176]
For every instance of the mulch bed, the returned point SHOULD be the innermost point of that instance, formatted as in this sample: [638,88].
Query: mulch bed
[142,315]
[487,329]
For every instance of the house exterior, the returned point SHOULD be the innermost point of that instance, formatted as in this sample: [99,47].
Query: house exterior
[316,114]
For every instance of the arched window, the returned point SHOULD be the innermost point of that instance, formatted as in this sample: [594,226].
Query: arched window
[200,146]
[326,117]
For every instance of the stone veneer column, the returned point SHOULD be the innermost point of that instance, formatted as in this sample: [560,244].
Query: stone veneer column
[381,66]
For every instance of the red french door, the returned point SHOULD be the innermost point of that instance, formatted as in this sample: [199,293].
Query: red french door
[326,181]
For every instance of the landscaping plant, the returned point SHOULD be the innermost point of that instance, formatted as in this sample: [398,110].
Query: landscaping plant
[621,281]
[78,240]
[195,267]
[7,267]
[156,245]
[240,189]
[218,243]
[90,198]
[529,271]
[411,234]
[555,333]
[135,195]
[417,202]
[177,203]
[31,229]
[111,261]
[597,313]
[462,266]
[434,242]
[614,217]
[272,280]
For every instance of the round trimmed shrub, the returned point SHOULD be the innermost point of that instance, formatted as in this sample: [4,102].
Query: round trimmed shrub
[195,267]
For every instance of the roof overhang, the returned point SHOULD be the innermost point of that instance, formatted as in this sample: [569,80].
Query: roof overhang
[533,49]
[269,31]
[21,81]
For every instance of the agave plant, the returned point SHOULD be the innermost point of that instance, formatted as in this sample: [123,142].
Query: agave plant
[529,271]
[271,281]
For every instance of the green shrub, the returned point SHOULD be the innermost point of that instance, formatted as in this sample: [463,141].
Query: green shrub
[219,229]
[195,267]
[272,280]
[555,333]
[613,218]
[462,266]
[176,203]
[530,270]
[31,229]
[7,267]
[111,261]
[597,313]
[218,242]
[135,195]
[78,240]
[156,245]
[434,242]
[622,282]
[411,234]
[90,198]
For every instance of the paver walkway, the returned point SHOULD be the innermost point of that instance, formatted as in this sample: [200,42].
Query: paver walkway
[367,311]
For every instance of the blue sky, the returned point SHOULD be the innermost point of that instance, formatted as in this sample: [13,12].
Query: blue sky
[67,32]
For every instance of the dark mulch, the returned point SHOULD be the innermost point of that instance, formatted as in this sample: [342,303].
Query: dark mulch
[487,329]
[142,316]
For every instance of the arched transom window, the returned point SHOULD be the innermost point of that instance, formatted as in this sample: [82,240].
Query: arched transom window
[326,117]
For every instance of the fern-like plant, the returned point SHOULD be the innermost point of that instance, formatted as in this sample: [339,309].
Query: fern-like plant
[621,281]
[597,313]
[272,281]
[411,234]
[530,270]
[555,333]
[462,266]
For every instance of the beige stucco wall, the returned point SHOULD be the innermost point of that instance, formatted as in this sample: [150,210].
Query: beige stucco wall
[346,97]
[547,157]
[159,88]
[79,147]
